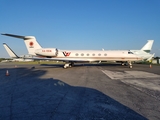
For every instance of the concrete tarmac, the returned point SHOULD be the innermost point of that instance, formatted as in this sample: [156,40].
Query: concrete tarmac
[89,91]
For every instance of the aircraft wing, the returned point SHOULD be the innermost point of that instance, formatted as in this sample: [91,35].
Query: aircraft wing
[17,36]
[63,59]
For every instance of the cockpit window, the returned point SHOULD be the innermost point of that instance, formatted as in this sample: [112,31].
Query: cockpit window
[130,52]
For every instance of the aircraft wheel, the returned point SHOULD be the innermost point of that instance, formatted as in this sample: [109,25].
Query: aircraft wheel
[65,67]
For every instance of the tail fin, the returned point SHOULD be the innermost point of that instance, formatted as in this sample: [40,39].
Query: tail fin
[10,51]
[30,42]
[148,46]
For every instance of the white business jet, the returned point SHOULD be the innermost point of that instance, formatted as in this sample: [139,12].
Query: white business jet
[72,56]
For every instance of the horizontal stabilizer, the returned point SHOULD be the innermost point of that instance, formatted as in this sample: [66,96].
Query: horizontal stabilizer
[18,36]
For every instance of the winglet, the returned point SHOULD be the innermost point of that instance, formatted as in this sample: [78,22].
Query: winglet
[10,51]
[150,58]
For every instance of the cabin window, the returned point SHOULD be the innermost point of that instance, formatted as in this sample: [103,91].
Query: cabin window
[99,54]
[93,54]
[76,54]
[105,54]
[82,54]
[87,54]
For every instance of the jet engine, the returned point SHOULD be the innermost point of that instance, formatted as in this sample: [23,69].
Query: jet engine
[48,52]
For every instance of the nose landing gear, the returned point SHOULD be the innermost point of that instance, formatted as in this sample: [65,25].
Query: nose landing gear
[67,65]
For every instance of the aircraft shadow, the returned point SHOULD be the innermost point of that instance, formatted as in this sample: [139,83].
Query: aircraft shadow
[26,95]
[85,64]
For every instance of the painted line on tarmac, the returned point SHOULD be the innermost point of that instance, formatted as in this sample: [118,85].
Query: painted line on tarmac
[142,86]
[115,75]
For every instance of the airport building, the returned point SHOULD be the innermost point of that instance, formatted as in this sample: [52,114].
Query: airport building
[156,60]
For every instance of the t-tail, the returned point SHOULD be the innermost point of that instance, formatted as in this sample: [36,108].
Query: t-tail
[148,46]
[30,42]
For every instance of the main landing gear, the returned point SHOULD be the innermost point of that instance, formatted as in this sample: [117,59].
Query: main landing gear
[130,64]
[71,64]
[124,63]
[67,65]
[127,63]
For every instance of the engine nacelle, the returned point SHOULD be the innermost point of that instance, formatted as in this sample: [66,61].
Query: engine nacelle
[48,52]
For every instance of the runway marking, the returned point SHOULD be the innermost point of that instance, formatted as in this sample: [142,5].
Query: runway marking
[129,74]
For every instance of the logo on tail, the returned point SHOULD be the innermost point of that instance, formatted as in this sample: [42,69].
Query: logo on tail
[31,45]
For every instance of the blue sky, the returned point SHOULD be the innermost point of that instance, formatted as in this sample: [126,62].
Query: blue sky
[81,24]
